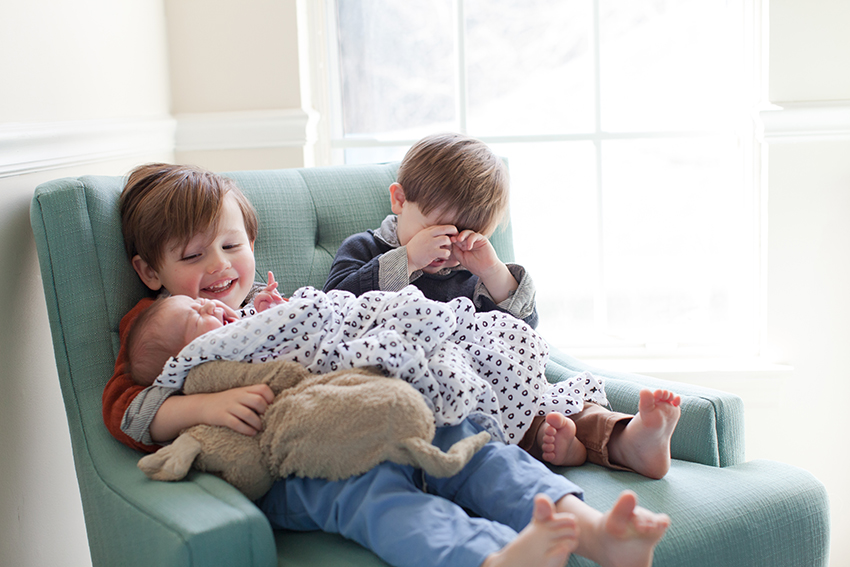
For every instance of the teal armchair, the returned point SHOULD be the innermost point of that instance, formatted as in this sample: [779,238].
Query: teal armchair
[725,511]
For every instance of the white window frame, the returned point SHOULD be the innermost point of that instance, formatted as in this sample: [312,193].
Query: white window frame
[331,143]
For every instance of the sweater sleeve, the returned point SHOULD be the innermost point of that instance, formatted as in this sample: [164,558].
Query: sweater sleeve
[120,391]
[357,265]
[521,303]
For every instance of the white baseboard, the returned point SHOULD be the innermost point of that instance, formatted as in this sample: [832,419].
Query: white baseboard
[285,128]
[805,122]
[39,146]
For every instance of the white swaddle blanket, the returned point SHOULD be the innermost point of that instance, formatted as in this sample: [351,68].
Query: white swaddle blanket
[488,367]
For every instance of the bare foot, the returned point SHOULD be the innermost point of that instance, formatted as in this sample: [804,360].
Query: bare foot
[632,533]
[557,442]
[547,541]
[625,536]
[643,444]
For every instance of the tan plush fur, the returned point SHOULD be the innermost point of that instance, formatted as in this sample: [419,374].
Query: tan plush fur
[319,425]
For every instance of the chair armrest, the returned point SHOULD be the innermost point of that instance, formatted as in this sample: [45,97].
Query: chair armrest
[201,521]
[711,429]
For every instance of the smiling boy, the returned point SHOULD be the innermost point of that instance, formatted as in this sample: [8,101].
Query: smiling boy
[187,232]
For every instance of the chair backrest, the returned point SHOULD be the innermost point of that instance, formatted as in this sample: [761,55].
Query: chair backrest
[89,284]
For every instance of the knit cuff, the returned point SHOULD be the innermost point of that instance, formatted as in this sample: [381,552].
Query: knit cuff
[521,301]
[392,270]
[138,417]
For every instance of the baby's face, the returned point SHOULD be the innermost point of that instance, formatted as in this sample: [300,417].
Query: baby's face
[191,318]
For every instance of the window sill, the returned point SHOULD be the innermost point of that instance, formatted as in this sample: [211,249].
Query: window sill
[708,371]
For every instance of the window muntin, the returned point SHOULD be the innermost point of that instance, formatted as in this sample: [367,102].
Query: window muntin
[626,127]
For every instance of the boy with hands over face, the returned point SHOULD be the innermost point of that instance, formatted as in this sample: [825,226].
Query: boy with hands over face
[451,195]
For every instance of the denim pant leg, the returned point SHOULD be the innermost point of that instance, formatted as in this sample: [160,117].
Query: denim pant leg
[500,481]
[385,512]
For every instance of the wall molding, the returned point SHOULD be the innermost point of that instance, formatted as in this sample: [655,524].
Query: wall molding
[31,147]
[285,128]
[805,122]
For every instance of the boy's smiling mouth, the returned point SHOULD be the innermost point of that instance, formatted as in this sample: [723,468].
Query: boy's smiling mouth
[219,287]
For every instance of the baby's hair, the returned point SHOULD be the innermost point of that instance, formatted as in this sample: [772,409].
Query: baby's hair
[164,205]
[149,345]
[458,175]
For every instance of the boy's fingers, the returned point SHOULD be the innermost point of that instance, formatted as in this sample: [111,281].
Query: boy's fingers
[469,239]
[445,242]
[264,391]
[240,426]
[248,417]
[443,229]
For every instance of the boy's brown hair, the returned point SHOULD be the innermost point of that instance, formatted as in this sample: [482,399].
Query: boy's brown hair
[456,174]
[163,204]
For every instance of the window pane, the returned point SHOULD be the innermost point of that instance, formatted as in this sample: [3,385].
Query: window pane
[375,154]
[530,66]
[554,217]
[660,249]
[397,66]
[678,258]
[670,64]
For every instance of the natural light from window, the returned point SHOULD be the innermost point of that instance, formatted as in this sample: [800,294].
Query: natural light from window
[626,128]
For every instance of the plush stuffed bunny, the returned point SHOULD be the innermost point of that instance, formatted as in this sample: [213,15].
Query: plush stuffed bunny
[319,425]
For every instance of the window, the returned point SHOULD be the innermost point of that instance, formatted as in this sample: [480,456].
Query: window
[626,125]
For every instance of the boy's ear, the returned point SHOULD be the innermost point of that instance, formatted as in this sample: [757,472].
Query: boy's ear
[146,273]
[396,198]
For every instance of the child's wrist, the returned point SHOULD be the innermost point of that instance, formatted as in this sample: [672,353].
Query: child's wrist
[499,282]
[498,272]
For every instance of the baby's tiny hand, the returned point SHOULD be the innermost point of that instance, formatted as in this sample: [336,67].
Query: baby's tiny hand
[269,297]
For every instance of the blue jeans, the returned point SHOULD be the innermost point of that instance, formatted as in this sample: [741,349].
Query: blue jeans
[411,519]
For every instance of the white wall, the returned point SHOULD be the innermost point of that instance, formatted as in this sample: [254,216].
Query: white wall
[808,321]
[87,90]
[808,263]
[77,76]
[809,50]
[82,60]
[235,68]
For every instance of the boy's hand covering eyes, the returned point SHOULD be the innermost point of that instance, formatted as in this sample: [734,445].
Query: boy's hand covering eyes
[429,245]
[475,253]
